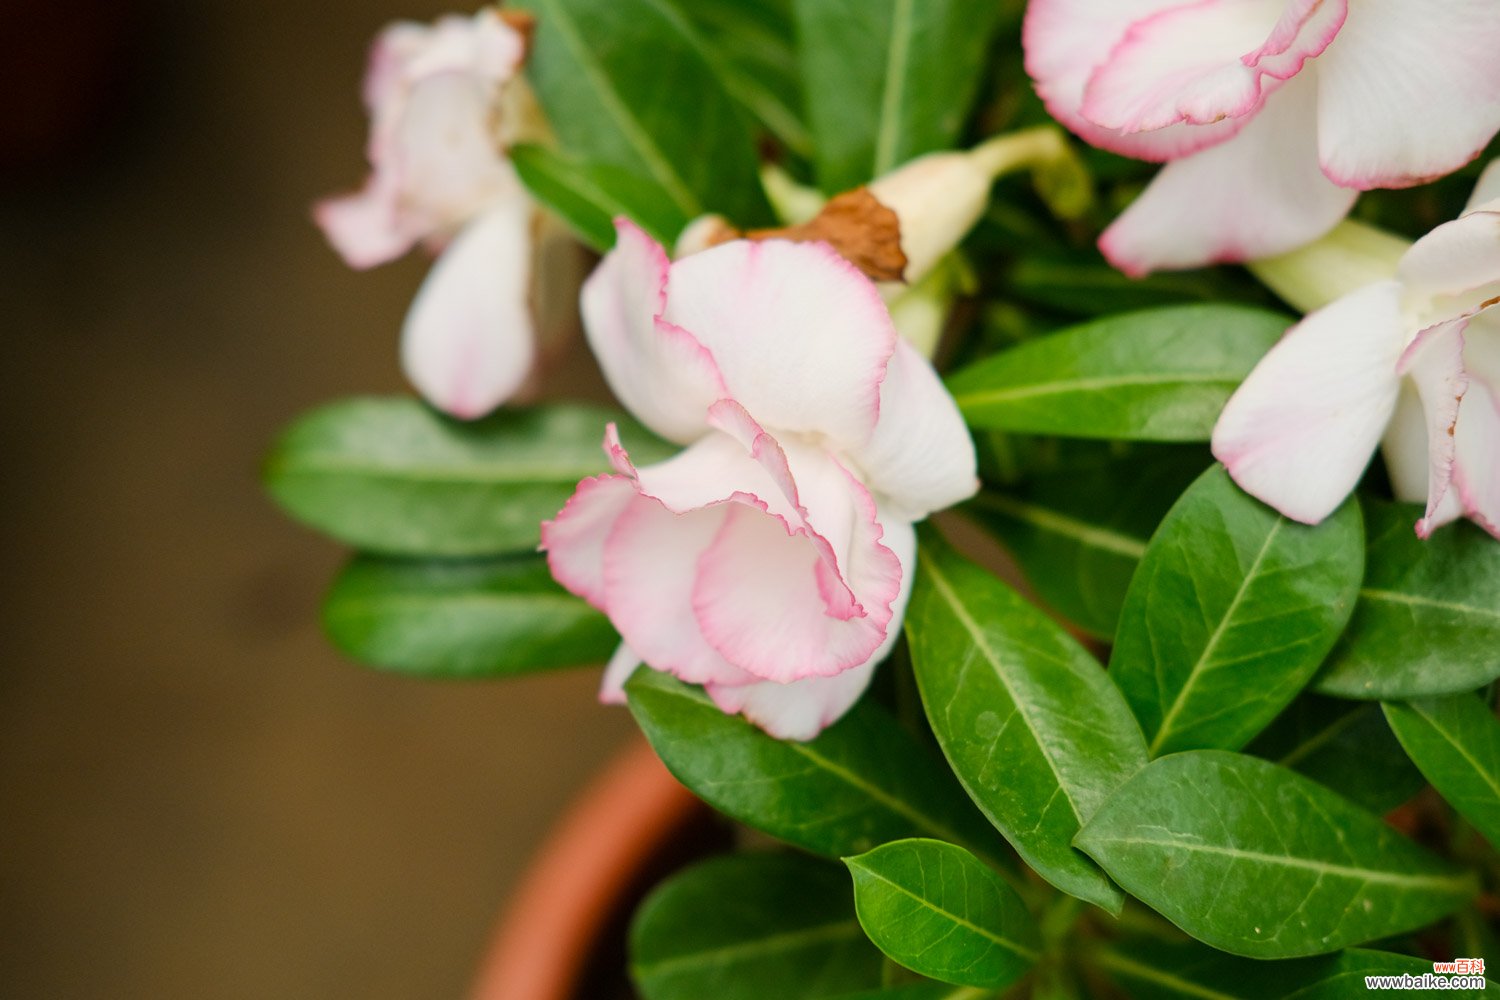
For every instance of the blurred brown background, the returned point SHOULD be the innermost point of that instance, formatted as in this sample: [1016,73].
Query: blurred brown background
[199,798]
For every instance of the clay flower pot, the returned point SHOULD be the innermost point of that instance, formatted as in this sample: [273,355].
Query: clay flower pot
[630,827]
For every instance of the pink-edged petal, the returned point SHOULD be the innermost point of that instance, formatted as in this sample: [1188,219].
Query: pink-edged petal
[1206,61]
[802,709]
[1066,41]
[574,539]
[1404,448]
[1476,467]
[468,341]
[1457,257]
[1409,91]
[367,227]
[1257,195]
[921,458]
[1486,190]
[1435,364]
[800,336]
[650,563]
[1300,430]
[662,374]
[616,672]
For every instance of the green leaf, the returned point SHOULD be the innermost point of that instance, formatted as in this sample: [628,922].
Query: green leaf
[390,475]
[629,83]
[1088,286]
[888,80]
[1345,745]
[468,618]
[1445,590]
[1157,971]
[755,42]
[1229,615]
[864,781]
[588,197]
[1157,375]
[1079,534]
[749,927]
[937,910]
[1259,861]
[1456,743]
[1029,721]
[924,991]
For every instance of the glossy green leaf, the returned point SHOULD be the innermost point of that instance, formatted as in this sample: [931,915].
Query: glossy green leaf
[588,197]
[1345,745]
[749,927]
[1029,721]
[757,60]
[864,781]
[1089,286]
[1428,617]
[462,618]
[937,910]
[1157,375]
[924,991]
[1259,861]
[1456,743]
[1079,534]
[390,475]
[888,80]
[630,84]
[1229,615]
[1156,971]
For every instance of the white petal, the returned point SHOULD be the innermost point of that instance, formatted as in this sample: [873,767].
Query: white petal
[616,672]
[1487,189]
[1457,257]
[799,335]
[1259,194]
[1207,61]
[1435,364]
[1300,430]
[468,341]
[444,155]
[802,709]
[1066,41]
[1476,469]
[1409,91]
[921,458]
[662,374]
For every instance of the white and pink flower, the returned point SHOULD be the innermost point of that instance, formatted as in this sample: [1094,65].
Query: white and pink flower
[1274,114]
[443,107]
[771,560]
[1414,359]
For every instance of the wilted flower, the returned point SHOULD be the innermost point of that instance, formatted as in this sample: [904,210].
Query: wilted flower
[1415,359]
[444,105]
[771,560]
[1274,113]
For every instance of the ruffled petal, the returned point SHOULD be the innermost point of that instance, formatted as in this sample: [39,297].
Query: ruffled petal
[574,539]
[1066,41]
[921,458]
[1300,430]
[800,336]
[1476,466]
[1261,193]
[1435,364]
[662,374]
[1206,61]
[1458,257]
[1409,92]
[802,709]
[468,341]
[367,228]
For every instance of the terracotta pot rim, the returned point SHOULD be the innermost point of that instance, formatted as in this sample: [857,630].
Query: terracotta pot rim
[574,884]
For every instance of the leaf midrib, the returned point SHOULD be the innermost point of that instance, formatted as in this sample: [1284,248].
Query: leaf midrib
[1463,752]
[788,941]
[629,125]
[1417,600]
[1004,942]
[983,397]
[1120,963]
[1462,882]
[327,465]
[1047,519]
[893,96]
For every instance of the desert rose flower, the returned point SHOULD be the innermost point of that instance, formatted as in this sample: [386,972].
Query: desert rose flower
[443,108]
[771,560]
[1414,358]
[1273,114]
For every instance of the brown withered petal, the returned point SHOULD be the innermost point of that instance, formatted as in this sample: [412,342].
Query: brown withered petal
[856,224]
[522,23]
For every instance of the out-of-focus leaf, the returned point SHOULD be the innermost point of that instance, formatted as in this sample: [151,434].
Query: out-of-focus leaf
[756,43]
[462,618]
[588,197]
[1456,743]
